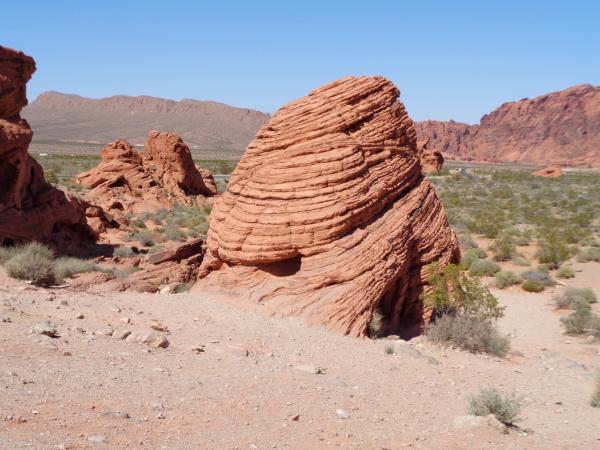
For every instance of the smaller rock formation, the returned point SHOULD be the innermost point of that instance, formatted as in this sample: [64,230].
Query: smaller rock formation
[127,181]
[431,160]
[30,207]
[549,172]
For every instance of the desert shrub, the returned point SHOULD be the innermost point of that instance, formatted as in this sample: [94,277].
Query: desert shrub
[466,241]
[180,288]
[173,233]
[595,400]
[565,272]
[389,349]
[540,275]
[7,252]
[468,333]
[569,296]
[520,260]
[553,248]
[506,408]
[123,251]
[145,238]
[532,286]
[138,223]
[483,267]
[123,272]
[375,323]
[582,320]
[589,254]
[458,293]
[504,279]
[65,267]
[32,262]
[471,255]
[504,248]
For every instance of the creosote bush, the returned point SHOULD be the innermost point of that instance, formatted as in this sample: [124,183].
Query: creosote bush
[504,279]
[565,273]
[483,268]
[569,296]
[582,320]
[589,254]
[506,408]
[532,286]
[471,255]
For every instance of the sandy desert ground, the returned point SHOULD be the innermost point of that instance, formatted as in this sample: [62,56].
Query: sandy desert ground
[235,379]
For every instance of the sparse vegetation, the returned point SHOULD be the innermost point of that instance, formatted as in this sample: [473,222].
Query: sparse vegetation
[506,408]
[66,267]
[123,252]
[483,268]
[506,278]
[569,296]
[589,254]
[389,349]
[532,286]
[375,324]
[565,273]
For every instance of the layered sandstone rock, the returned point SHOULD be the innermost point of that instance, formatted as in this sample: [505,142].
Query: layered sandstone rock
[549,172]
[560,128]
[328,215]
[30,208]
[127,181]
[431,160]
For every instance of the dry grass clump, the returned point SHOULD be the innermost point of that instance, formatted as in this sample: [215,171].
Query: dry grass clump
[66,267]
[589,254]
[506,408]
[375,324]
[483,268]
[569,296]
[565,273]
[504,279]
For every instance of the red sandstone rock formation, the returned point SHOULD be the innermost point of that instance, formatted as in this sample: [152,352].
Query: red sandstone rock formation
[561,128]
[30,208]
[328,216]
[163,175]
[431,160]
[549,172]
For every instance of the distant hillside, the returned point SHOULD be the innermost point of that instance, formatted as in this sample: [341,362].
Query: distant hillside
[203,125]
[557,128]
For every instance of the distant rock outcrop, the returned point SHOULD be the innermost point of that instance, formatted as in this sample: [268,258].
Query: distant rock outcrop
[328,215]
[30,207]
[549,172]
[164,174]
[207,126]
[560,128]
[432,161]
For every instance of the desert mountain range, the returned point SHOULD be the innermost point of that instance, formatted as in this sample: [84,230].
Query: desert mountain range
[557,128]
[204,125]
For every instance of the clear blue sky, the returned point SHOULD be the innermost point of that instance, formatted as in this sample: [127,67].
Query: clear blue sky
[450,59]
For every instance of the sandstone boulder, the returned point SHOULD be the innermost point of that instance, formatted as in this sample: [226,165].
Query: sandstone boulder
[549,172]
[127,181]
[30,207]
[431,160]
[328,216]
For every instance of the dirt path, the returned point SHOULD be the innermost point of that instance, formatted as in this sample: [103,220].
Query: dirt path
[246,391]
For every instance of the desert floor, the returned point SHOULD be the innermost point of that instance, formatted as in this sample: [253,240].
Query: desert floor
[250,388]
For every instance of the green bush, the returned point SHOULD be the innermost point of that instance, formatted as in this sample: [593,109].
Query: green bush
[468,333]
[145,238]
[483,267]
[471,255]
[506,408]
[504,248]
[565,272]
[520,260]
[32,262]
[595,400]
[553,248]
[569,296]
[173,233]
[66,267]
[532,286]
[589,254]
[182,287]
[504,279]
[581,320]
[455,292]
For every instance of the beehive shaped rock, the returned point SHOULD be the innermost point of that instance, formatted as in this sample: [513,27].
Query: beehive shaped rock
[431,160]
[328,216]
[127,181]
[30,207]
[549,172]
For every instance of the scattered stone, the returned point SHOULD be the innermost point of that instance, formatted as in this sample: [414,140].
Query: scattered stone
[341,414]
[46,328]
[121,334]
[160,416]
[125,320]
[295,418]
[117,414]
[149,338]
[97,439]
[67,353]
[156,325]
[308,368]
[104,332]
[478,422]
[80,316]
[197,349]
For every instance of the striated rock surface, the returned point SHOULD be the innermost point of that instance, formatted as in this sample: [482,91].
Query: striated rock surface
[560,128]
[431,160]
[549,172]
[328,216]
[30,207]
[127,181]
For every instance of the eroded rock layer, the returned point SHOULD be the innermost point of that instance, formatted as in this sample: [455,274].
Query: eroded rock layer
[164,174]
[432,161]
[30,208]
[328,215]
